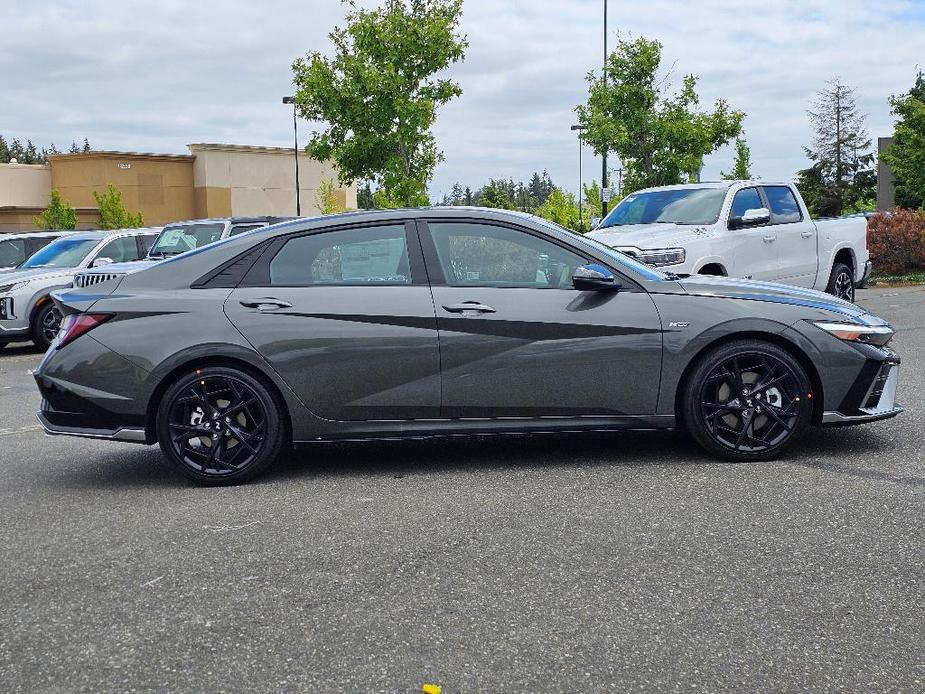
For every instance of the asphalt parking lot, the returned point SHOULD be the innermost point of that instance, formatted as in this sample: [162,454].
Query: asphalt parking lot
[569,563]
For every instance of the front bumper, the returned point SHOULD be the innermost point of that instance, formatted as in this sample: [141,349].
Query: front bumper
[872,397]
[12,323]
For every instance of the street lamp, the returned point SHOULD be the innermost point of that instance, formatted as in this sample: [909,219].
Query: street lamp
[581,221]
[295,150]
[604,157]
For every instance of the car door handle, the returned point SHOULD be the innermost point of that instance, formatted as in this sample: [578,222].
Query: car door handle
[770,239]
[266,304]
[806,234]
[468,306]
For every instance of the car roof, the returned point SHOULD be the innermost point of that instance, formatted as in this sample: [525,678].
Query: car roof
[105,234]
[41,233]
[234,220]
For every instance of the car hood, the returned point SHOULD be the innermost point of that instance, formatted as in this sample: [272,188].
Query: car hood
[709,285]
[124,268]
[658,235]
[14,276]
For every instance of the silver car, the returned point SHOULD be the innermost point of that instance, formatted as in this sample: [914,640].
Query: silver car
[16,248]
[26,310]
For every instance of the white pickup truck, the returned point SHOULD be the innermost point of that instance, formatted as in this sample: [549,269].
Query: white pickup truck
[751,229]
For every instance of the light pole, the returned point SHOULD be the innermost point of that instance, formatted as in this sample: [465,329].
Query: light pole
[581,221]
[604,157]
[295,150]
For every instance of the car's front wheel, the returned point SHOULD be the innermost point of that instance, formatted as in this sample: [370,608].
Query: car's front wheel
[45,324]
[747,400]
[220,425]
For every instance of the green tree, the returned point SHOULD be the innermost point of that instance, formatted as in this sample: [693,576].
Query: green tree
[379,97]
[906,156]
[58,215]
[113,214]
[840,151]
[560,207]
[326,198]
[742,164]
[496,193]
[365,198]
[4,151]
[660,138]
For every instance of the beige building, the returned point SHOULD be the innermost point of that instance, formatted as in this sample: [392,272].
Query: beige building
[214,180]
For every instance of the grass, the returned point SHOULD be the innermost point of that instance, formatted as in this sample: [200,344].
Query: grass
[897,280]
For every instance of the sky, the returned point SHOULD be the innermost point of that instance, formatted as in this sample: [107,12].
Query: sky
[155,76]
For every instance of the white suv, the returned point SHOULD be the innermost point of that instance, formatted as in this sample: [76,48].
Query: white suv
[26,309]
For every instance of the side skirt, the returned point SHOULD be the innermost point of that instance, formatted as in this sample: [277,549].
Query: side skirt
[424,428]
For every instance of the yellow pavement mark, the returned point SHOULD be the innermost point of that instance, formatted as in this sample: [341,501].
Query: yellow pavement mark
[21,430]
[431,689]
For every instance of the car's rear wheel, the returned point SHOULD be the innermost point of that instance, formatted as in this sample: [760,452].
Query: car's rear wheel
[220,425]
[45,324]
[841,282]
[747,400]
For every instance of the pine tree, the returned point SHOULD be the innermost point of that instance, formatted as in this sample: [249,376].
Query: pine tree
[4,151]
[469,198]
[840,148]
[86,147]
[74,148]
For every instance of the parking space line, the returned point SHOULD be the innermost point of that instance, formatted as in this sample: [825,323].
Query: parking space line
[22,430]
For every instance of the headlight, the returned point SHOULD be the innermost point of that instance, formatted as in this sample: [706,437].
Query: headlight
[851,332]
[663,256]
[13,287]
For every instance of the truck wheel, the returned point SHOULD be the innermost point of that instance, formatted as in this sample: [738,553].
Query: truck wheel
[45,324]
[841,282]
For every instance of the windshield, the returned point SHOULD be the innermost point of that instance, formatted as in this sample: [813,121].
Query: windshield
[180,238]
[672,206]
[62,253]
[646,271]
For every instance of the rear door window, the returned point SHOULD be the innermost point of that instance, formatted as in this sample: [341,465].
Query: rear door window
[783,205]
[241,228]
[370,255]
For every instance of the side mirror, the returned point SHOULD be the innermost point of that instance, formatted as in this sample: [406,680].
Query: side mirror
[752,217]
[594,276]
[102,260]
[595,223]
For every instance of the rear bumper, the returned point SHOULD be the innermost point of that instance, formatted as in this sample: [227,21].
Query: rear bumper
[865,278]
[127,434]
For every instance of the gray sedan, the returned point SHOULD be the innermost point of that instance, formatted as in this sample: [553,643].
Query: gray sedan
[408,323]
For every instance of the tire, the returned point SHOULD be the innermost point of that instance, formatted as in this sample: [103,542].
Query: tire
[224,405]
[841,282]
[45,324]
[770,401]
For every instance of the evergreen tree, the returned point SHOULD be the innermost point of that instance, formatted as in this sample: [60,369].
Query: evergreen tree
[457,197]
[86,147]
[469,198]
[840,151]
[74,148]
[365,198]
[4,151]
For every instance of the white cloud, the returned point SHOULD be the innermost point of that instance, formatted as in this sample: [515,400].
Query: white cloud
[154,76]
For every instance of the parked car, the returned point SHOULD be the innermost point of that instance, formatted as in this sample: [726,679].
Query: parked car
[26,309]
[16,248]
[422,322]
[749,229]
[177,238]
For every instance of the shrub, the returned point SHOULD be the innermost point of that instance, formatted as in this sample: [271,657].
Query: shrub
[897,242]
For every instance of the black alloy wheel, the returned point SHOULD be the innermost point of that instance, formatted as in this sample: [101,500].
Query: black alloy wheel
[220,426]
[46,324]
[748,400]
[841,283]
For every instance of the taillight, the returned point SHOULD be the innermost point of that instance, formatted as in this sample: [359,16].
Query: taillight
[76,324]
